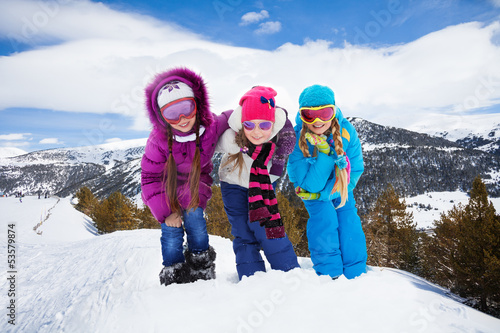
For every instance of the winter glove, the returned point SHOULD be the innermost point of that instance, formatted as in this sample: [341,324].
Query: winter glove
[304,195]
[319,141]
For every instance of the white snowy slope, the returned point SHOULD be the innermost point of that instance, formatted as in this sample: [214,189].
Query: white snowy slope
[427,208]
[71,280]
[454,127]
[10,152]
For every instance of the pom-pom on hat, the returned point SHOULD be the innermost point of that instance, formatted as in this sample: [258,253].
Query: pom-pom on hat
[173,91]
[258,103]
[316,95]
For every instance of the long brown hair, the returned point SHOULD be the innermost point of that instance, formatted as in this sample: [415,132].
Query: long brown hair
[341,175]
[170,174]
[237,159]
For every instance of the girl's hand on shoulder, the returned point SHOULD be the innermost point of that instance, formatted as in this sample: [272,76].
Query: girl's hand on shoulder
[174,220]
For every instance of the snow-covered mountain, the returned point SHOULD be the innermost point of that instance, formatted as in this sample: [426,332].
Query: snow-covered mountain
[108,154]
[475,132]
[10,152]
[414,163]
[63,171]
[68,279]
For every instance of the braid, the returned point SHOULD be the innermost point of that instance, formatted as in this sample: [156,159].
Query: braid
[341,186]
[170,178]
[194,175]
[242,141]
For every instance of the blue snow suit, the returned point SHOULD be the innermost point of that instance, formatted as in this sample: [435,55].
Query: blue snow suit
[336,240]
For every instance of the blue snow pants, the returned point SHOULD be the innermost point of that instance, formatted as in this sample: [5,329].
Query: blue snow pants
[250,238]
[172,238]
[336,240]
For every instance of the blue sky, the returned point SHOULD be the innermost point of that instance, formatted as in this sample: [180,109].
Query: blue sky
[73,70]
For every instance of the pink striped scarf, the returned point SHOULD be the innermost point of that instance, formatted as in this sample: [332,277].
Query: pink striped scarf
[263,205]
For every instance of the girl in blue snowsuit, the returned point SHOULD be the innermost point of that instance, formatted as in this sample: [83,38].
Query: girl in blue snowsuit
[324,167]
[256,146]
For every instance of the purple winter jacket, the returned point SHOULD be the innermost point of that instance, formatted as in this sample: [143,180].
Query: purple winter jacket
[183,147]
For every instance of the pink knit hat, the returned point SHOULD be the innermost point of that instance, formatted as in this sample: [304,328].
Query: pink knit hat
[258,103]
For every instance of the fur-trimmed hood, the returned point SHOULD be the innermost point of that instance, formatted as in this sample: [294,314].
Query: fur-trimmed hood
[188,77]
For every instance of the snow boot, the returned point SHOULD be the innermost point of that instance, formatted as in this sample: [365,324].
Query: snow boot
[201,265]
[176,273]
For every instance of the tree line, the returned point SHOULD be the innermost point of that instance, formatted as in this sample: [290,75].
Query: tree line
[116,212]
[462,252]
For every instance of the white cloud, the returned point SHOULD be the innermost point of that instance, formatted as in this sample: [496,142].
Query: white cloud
[103,67]
[51,141]
[113,140]
[495,3]
[15,144]
[14,136]
[254,17]
[268,28]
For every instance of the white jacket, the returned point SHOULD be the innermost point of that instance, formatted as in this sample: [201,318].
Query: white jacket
[227,145]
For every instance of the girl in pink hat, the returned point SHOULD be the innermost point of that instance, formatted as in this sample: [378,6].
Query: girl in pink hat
[255,147]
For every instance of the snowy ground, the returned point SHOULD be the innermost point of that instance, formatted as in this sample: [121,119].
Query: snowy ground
[68,279]
[439,202]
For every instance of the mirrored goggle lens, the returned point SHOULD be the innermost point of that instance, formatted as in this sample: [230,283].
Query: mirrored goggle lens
[323,114]
[172,112]
[265,125]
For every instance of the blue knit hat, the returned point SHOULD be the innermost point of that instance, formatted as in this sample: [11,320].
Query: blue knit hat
[316,95]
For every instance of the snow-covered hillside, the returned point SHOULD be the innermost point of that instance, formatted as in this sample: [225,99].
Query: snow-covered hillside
[480,131]
[427,208]
[68,279]
[105,154]
[10,152]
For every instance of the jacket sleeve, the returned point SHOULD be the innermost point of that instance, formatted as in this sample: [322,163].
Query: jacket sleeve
[222,122]
[284,147]
[310,173]
[152,166]
[226,143]
[355,155]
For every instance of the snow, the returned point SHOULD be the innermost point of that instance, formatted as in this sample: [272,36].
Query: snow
[106,154]
[371,147]
[454,127]
[68,279]
[11,152]
[440,202]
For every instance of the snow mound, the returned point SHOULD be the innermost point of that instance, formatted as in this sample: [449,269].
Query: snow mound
[6,152]
[71,280]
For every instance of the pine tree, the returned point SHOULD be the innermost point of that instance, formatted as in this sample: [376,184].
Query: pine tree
[122,208]
[464,253]
[103,217]
[478,253]
[86,200]
[146,219]
[391,235]
[440,249]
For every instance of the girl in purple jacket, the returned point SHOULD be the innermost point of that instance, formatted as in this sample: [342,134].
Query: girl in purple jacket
[176,166]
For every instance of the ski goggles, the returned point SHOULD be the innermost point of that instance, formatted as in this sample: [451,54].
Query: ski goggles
[174,111]
[265,125]
[312,114]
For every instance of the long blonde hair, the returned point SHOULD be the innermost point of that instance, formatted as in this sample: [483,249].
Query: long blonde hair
[341,175]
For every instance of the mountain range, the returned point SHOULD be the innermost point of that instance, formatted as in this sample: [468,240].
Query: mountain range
[413,162]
